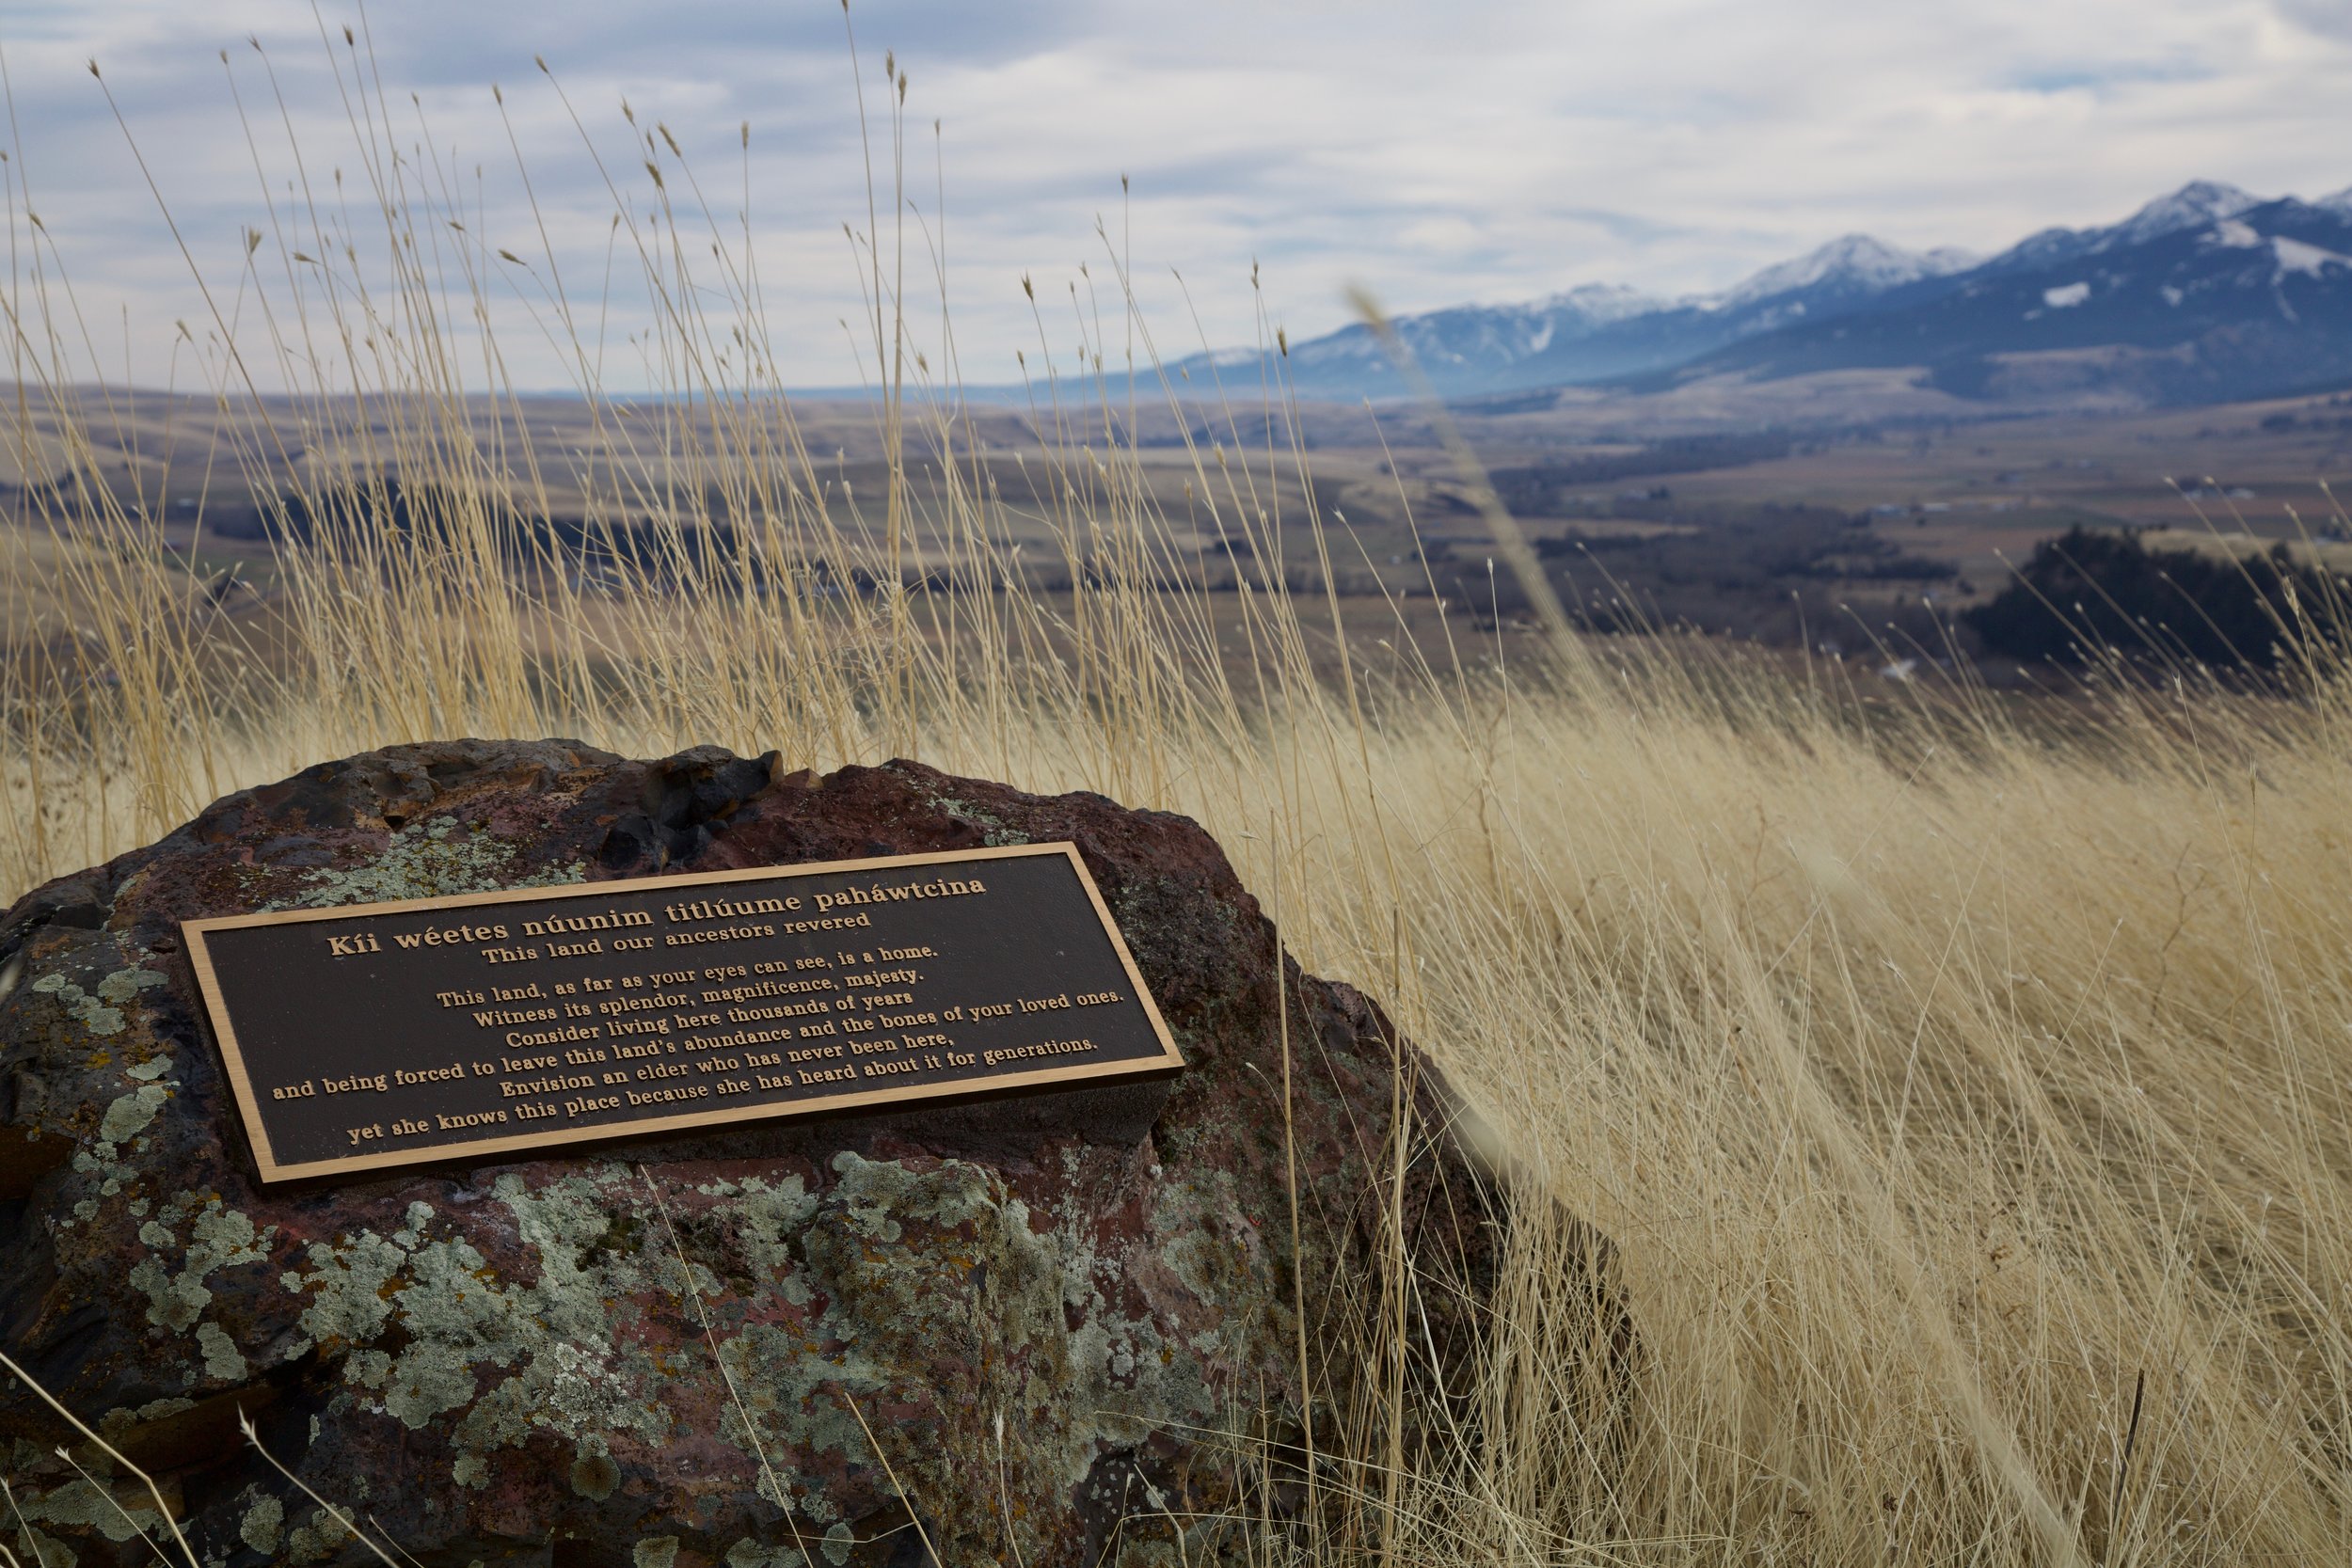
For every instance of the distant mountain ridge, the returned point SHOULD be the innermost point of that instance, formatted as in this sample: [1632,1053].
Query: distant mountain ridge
[2207,294]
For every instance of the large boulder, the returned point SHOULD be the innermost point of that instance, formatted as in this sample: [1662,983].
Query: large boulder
[1053,1329]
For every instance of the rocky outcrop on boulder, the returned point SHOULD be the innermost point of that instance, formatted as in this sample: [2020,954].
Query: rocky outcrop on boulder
[1056,1328]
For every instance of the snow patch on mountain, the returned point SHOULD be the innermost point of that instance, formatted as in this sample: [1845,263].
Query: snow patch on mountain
[2295,256]
[1856,260]
[1602,303]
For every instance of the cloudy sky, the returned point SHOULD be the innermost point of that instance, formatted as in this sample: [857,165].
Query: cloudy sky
[1472,150]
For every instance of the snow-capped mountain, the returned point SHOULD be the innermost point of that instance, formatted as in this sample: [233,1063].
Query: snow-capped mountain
[1599,330]
[1471,341]
[1855,264]
[2198,204]
[2208,292]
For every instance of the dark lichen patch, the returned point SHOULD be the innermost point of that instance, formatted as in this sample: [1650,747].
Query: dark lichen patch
[994,832]
[594,1476]
[432,858]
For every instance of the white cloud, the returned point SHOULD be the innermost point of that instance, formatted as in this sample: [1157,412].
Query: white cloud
[2320,16]
[1493,151]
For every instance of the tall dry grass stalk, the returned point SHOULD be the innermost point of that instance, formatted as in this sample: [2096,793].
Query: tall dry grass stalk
[1967,1105]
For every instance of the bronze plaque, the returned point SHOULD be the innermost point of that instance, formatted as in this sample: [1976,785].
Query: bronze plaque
[440,1029]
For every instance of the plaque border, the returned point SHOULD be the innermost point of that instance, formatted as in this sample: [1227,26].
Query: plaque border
[223,1030]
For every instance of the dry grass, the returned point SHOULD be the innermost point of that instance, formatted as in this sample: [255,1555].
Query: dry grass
[1967,1106]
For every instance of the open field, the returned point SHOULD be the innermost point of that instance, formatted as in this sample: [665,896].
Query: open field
[1961,1080]
[1966,1100]
[1778,528]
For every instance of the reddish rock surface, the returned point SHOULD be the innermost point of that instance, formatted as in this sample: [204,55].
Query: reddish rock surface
[1048,1329]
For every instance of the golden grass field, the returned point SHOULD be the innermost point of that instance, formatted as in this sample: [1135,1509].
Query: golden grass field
[1966,1096]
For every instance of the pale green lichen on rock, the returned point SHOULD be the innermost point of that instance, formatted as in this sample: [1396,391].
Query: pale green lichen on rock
[429,860]
[555,1334]
[222,1359]
[762,1217]
[218,1238]
[316,1540]
[100,1014]
[871,1191]
[348,1298]
[222,1236]
[172,1302]
[50,1552]
[748,1553]
[420,1215]
[117,1423]
[127,1116]
[1151,1554]
[656,1551]
[124,985]
[262,1524]
[897,1252]
[1212,1266]
[80,1505]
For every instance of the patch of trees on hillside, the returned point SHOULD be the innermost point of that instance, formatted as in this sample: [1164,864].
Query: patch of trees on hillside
[2091,590]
